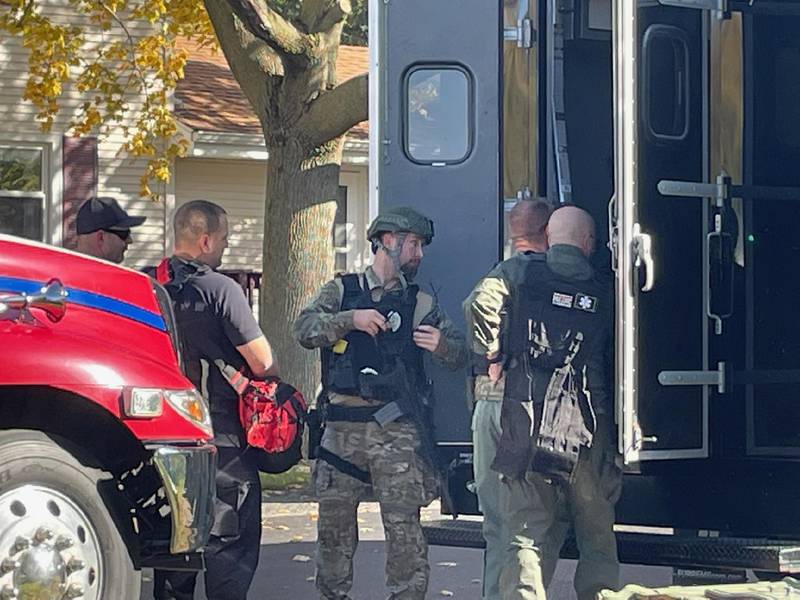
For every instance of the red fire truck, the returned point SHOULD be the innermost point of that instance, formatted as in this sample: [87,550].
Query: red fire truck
[105,461]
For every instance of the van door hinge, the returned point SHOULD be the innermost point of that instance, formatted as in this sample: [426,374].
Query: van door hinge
[523,34]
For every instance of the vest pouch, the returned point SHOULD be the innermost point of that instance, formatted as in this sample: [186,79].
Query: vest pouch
[342,375]
[361,353]
[384,386]
[554,464]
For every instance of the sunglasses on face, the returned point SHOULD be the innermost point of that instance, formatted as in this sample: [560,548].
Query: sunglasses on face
[123,234]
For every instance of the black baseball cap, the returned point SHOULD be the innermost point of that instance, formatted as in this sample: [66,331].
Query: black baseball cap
[104,213]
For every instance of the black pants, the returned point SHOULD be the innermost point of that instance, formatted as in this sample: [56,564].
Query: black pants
[232,552]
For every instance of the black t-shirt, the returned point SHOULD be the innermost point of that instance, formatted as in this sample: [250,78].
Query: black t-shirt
[213,318]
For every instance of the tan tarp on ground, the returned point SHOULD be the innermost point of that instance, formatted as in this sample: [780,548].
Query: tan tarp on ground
[788,589]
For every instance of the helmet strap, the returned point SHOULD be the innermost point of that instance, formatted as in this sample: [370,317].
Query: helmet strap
[393,253]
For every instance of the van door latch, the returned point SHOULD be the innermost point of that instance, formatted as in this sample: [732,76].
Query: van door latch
[723,189]
[717,378]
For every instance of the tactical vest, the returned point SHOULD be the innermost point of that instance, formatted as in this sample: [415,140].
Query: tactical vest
[555,326]
[359,353]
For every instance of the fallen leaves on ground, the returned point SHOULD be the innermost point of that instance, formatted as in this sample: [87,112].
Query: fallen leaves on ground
[301,558]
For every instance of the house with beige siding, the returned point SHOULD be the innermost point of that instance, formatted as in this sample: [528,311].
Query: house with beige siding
[44,177]
[227,160]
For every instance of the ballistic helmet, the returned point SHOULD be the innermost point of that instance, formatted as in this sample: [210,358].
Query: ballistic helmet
[401,219]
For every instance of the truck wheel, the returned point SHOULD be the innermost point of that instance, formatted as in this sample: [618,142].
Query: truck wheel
[58,538]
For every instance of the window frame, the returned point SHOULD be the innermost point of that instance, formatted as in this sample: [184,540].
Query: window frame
[470,111]
[42,194]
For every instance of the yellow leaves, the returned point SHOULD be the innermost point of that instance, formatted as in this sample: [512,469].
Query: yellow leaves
[53,48]
[91,119]
[122,53]
[152,10]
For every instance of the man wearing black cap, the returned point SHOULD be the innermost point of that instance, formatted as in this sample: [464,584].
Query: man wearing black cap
[104,229]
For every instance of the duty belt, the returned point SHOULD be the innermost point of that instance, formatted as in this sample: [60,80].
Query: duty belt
[352,414]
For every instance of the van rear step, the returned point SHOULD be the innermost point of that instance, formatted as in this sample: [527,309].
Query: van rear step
[652,549]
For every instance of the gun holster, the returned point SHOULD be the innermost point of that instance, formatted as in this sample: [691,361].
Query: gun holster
[316,427]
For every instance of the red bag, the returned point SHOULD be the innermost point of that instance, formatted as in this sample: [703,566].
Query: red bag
[272,413]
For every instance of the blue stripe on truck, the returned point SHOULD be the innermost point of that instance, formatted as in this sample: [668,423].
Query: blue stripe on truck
[90,300]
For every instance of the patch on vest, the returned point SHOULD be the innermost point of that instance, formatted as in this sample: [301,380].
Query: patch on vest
[585,303]
[394,320]
[562,300]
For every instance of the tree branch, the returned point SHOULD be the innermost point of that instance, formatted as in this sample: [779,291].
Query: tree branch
[334,112]
[321,15]
[270,27]
[252,62]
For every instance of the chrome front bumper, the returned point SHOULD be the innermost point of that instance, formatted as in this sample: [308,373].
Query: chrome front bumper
[189,475]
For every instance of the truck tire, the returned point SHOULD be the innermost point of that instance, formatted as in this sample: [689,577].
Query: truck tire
[58,538]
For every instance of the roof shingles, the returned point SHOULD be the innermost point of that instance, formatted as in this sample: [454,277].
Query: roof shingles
[209,98]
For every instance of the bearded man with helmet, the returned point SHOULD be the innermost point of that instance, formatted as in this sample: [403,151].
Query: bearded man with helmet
[373,329]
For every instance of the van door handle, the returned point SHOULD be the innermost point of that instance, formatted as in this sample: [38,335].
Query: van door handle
[613,233]
[642,256]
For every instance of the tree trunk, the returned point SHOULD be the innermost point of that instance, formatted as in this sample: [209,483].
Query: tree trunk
[298,250]
[289,77]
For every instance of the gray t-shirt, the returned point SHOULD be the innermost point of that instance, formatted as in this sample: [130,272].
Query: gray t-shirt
[213,318]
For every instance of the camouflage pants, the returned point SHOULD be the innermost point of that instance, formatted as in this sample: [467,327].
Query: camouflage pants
[401,482]
[539,514]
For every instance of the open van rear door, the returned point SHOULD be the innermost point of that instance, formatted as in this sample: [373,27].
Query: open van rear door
[685,275]
[660,66]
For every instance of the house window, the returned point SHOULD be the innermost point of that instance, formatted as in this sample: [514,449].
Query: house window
[340,230]
[22,197]
[438,127]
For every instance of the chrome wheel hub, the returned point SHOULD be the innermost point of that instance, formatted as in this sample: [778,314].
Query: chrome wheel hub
[49,549]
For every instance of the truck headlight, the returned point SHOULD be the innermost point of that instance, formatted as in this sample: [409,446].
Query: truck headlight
[192,407]
[143,403]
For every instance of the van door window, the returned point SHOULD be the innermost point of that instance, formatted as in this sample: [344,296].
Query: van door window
[666,83]
[438,122]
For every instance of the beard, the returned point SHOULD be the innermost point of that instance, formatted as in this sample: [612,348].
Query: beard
[409,269]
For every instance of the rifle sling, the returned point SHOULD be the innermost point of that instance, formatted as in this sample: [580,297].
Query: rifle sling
[345,466]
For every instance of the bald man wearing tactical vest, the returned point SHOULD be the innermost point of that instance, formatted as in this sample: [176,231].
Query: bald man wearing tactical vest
[372,330]
[556,453]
